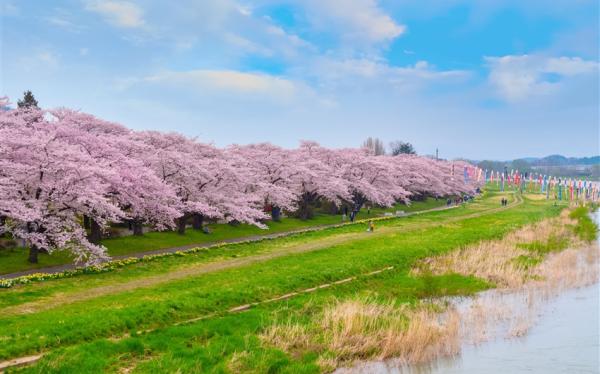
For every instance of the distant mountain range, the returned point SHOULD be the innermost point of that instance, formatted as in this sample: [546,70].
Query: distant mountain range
[552,160]
[560,160]
[558,165]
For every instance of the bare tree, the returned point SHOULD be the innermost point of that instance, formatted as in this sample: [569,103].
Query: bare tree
[375,145]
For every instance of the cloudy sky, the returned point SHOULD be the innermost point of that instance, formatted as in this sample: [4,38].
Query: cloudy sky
[478,79]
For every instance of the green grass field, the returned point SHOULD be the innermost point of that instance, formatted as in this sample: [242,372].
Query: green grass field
[14,260]
[96,323]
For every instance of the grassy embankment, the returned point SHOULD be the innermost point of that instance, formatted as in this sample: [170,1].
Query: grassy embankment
[90,323]
[14,260]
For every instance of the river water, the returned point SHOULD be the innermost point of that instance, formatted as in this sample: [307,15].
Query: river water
[564,340]
[563,336]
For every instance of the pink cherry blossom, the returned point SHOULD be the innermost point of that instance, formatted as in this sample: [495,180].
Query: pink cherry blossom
[60,165]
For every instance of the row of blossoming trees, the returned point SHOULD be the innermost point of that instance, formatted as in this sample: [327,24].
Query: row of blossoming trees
[59,168]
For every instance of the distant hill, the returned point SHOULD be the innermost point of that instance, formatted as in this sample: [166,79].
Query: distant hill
[587,167]
[560,160]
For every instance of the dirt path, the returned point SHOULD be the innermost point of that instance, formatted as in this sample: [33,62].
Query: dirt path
[204,268]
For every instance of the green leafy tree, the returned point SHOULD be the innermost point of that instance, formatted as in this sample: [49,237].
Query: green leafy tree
[398,147]
[28,101]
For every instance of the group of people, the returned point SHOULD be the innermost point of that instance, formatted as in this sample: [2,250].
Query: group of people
[458,200]
[504,201]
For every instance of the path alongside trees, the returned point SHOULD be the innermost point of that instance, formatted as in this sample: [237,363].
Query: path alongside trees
[66,176]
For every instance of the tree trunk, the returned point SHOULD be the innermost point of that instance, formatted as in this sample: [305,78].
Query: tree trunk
[304,212]
[197,221]
[86,222]
[95,232]
[33,254]
[358,200]
[305,206]
[181,222]
[334,209]
[137,227]
[276,213]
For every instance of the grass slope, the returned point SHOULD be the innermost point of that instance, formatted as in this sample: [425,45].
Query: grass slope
[80,323]
[14,260]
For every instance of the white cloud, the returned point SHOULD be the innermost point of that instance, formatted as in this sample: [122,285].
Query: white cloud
[357,20]
[360,73]
[247,45]
[64,19]
[222,31]
[517,78]
[228,81]
[244,10]
[119,13]
[42,59]
[570,66]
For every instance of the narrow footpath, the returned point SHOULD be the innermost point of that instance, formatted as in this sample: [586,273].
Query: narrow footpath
[61,268]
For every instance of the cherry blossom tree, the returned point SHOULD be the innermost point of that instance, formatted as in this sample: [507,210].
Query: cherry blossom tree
[205,182]
[273,173]
[228,188]
[420,176]
[319,179]
[369,178]
[60,166]
[47,184]
[144,197]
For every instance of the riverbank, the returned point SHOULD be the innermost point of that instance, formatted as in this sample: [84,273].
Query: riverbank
[563,262]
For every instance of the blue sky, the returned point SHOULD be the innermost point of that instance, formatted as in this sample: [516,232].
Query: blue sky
[478,79]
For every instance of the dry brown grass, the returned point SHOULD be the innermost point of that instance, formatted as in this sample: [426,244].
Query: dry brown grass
[362,329]
[238,362]
[289,337]
[495,261]
[512,312]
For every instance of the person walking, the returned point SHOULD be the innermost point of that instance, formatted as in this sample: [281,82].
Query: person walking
[371,227]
